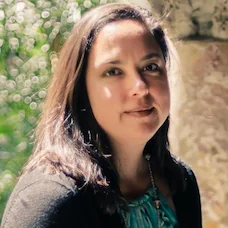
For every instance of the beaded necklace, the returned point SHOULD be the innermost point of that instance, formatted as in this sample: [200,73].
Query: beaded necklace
[156,200]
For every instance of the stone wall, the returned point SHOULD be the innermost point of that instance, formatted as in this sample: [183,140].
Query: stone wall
[199,133]
[194,18]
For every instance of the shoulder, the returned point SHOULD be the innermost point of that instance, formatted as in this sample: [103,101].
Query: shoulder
[188,175]
[187,200]
[38,198]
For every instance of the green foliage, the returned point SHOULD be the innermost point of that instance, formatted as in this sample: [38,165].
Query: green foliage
[31,34]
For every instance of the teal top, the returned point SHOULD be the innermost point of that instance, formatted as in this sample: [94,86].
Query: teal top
[143,212]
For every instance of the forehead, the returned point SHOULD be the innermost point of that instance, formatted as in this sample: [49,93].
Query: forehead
[122,29]
[124,34]
[125,27]
[123,39]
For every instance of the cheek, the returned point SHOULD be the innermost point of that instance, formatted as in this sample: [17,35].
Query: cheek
[162,94]
[164,90]
[165,94]
[108,93]
[102,98]
[101,94]
[105,106]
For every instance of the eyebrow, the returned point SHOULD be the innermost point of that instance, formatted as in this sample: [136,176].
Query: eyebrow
[111,62]
[151,55]
[146,57]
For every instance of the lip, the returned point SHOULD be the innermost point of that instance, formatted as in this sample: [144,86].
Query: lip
[140,112]
[140,109]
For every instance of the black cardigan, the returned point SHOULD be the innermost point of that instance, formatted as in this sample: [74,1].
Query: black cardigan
[53,201]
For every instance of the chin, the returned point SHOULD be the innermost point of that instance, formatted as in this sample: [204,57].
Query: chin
[143,135]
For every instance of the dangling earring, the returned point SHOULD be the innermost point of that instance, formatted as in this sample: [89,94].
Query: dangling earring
[89,136]
[97,140]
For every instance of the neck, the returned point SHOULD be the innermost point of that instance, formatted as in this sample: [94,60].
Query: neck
[132,167]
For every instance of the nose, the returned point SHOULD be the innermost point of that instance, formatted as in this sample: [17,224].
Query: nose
[139,86]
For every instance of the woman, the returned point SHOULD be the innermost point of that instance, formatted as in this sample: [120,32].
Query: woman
[101,157]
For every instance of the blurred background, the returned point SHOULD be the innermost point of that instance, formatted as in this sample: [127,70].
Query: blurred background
[31,35]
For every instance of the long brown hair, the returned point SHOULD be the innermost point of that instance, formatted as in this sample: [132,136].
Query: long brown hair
[68,138]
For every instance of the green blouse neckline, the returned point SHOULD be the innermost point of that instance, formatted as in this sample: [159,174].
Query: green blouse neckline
[143,212]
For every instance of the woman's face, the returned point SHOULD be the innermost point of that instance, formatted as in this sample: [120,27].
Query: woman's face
[126,81]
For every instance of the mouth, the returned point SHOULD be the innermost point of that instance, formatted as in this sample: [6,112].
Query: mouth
[142,112]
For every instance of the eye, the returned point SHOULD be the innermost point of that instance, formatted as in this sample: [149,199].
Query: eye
[113,72]
[151,67]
